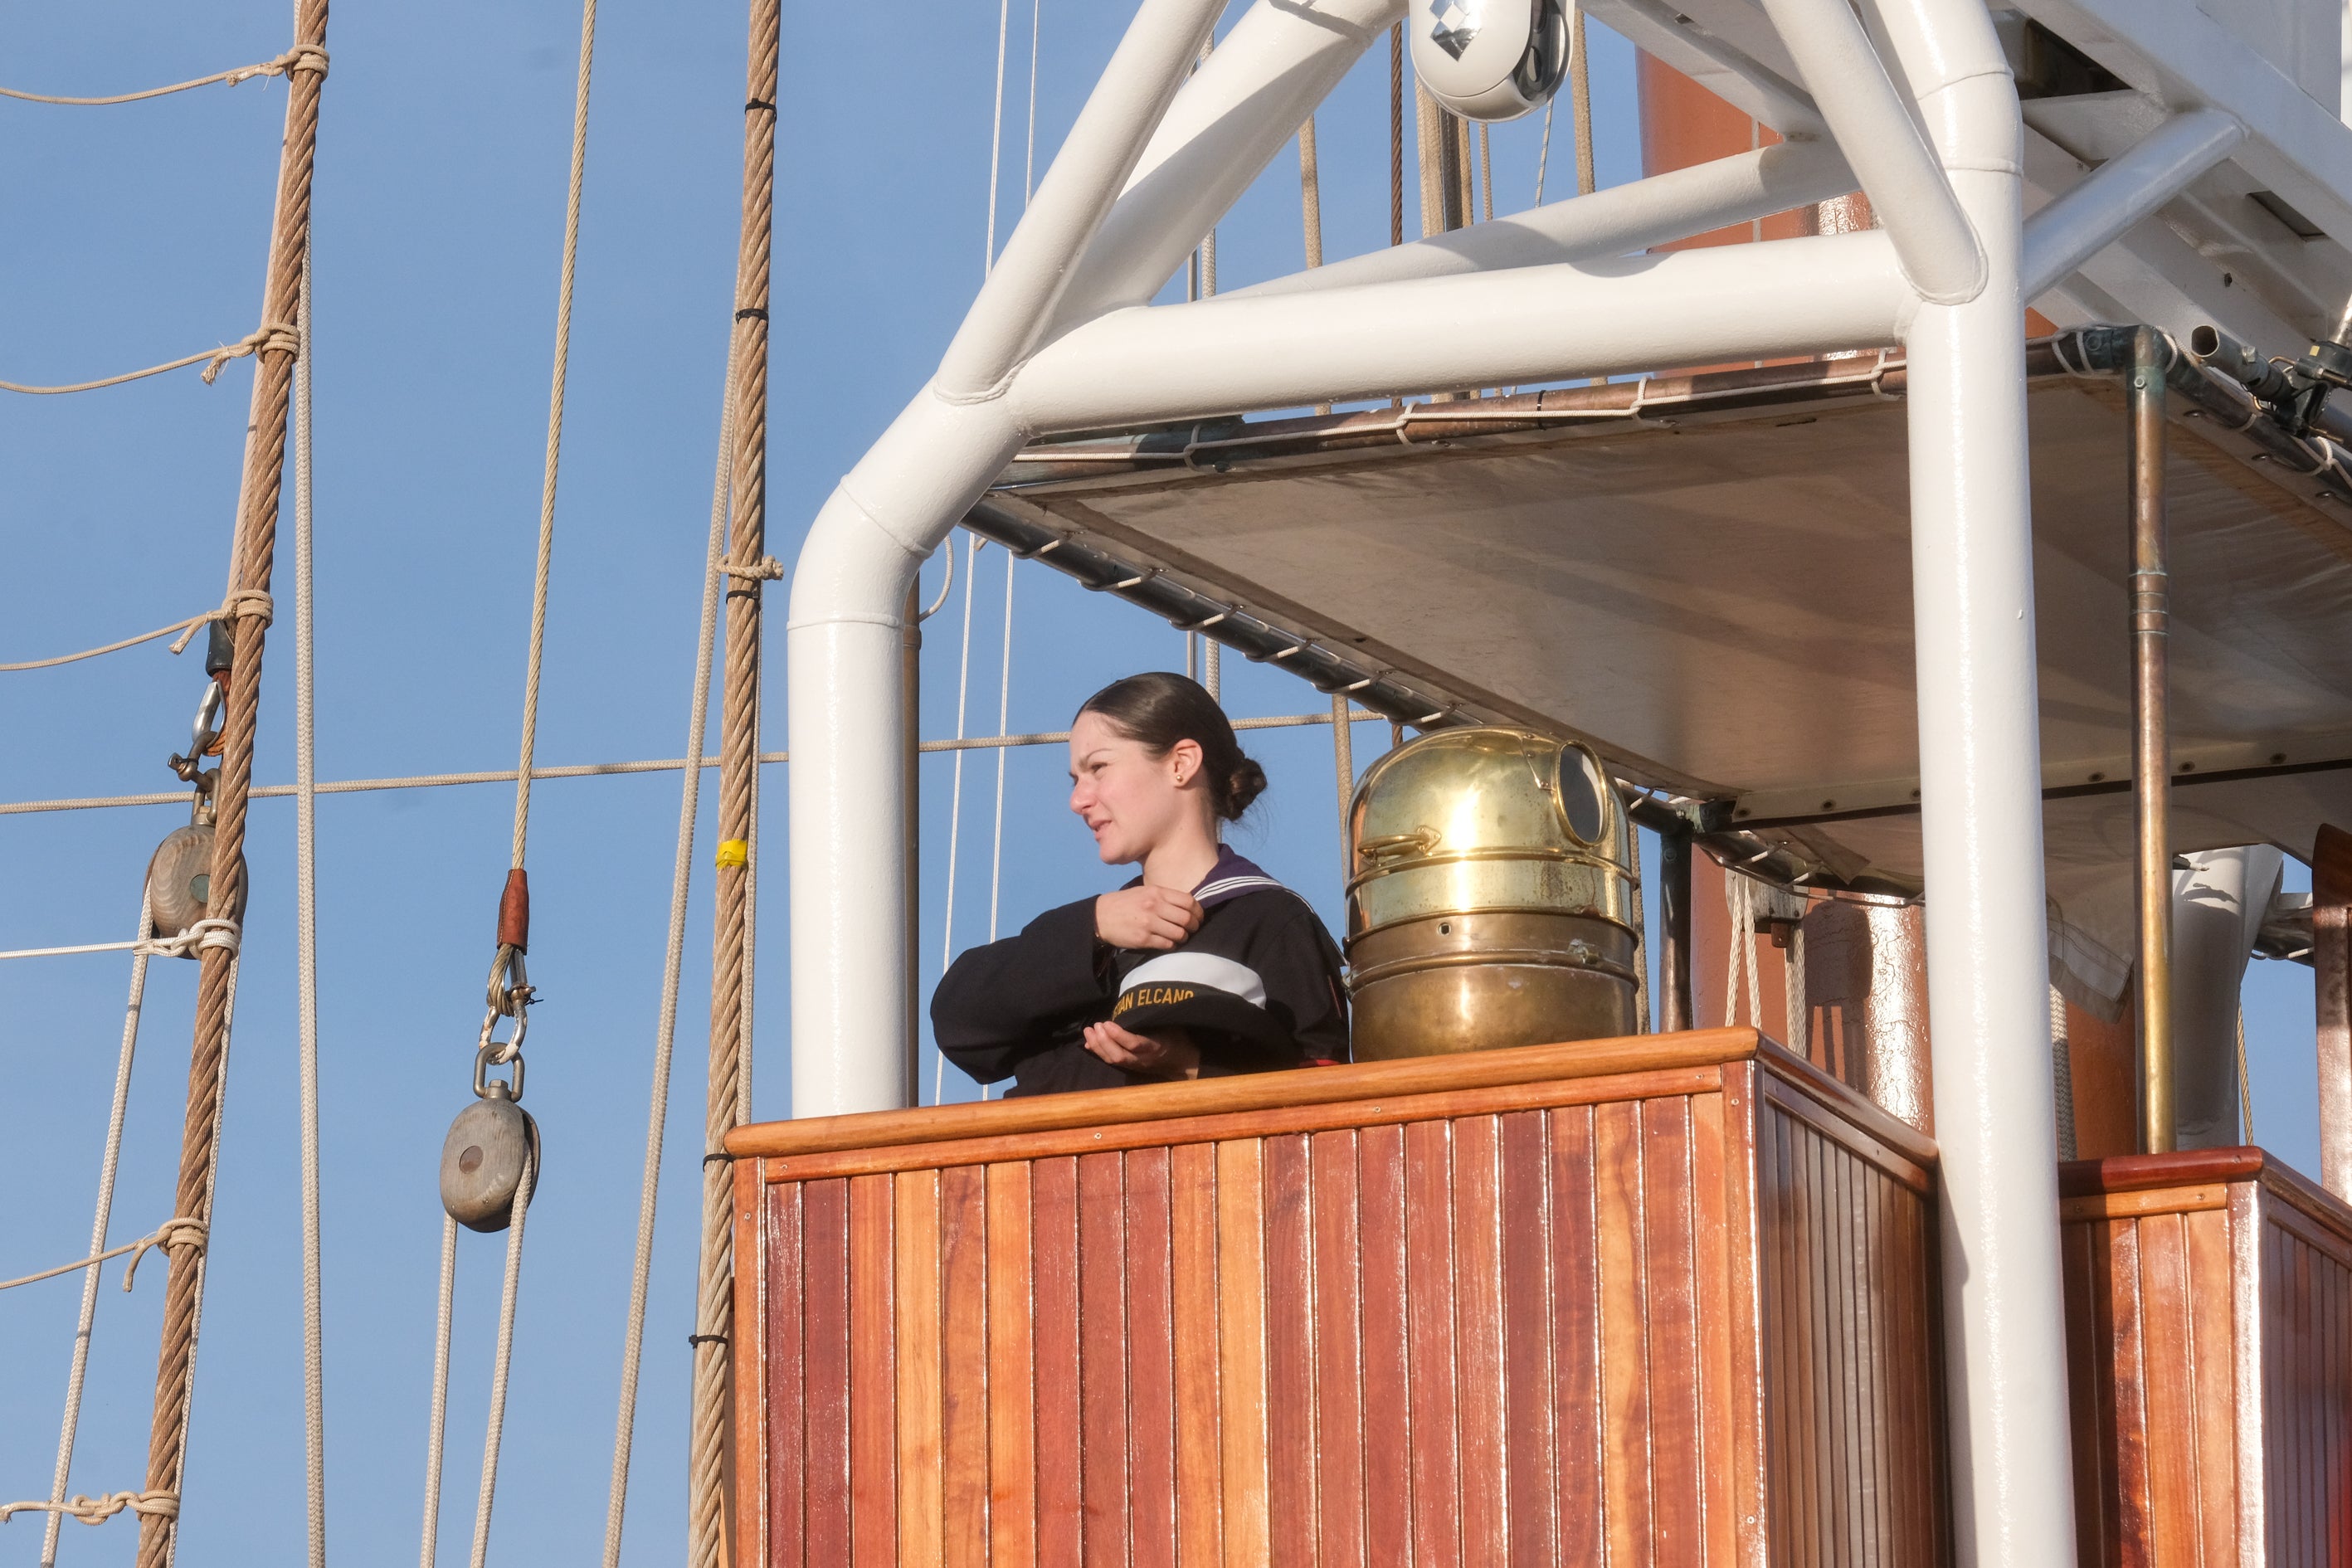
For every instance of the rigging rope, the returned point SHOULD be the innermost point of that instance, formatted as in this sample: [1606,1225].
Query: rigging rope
[438,1422]
[254,556]
[509,995]
[996,135]
[238,603]
[270,337]
[555,428]
[569,771]
[1579,95]
[178,1233]
[1003,723]
[306,953]
[300,57]
[505,1356]
[955,795]
[673,964]
[725,1104]
[1543,148]
[108,1163]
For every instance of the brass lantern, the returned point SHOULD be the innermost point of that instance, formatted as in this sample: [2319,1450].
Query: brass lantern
[1490,897]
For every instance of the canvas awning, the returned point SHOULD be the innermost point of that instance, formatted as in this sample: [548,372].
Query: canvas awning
[1708,577]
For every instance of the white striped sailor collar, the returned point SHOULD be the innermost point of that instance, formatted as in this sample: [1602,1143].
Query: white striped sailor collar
[1230,878]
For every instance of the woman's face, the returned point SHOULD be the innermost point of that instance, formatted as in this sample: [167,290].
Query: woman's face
[1130,800]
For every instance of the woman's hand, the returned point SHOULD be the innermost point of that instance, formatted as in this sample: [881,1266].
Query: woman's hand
[1155,918]
[1169,1053]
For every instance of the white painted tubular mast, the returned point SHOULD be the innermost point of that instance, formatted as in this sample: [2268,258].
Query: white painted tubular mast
[1062,337]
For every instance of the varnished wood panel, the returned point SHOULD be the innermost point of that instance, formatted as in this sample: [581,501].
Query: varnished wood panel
[1651,1321]
[1852,1455]
[2209,1316]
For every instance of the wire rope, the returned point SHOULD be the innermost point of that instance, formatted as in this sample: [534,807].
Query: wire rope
[108,1163]
[1029,156]
[673,965]
[306,950]
[955,795]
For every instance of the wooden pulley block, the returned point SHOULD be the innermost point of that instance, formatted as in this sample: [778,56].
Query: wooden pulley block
[180,882]
[483,1160]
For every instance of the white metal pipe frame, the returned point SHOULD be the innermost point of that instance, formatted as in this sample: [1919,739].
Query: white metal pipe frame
[1061,339]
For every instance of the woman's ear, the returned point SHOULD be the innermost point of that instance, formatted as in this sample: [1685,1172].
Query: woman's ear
[1185,762]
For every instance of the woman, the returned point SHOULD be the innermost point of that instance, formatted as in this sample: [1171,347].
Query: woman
[1201,966]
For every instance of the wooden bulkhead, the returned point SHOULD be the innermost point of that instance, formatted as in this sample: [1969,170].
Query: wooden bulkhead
[2209,1325]
[1668,1300]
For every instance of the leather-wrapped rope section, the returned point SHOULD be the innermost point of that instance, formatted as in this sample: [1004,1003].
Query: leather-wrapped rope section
[300,57]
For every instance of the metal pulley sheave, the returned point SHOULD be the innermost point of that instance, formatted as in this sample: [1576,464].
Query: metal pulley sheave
[180,872]
[491,1155]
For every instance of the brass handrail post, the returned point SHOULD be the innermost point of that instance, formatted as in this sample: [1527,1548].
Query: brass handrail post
[2151,623]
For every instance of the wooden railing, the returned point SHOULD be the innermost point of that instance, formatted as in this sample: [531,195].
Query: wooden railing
[2209,1318]
[1665,1301]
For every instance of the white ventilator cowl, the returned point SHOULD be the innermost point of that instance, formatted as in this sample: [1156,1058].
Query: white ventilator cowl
[1488,60]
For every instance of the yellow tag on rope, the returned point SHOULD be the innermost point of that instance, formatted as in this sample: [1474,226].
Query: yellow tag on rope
[734,852]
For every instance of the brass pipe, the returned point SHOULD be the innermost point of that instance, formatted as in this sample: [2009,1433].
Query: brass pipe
[1675,1008]
[2151,620]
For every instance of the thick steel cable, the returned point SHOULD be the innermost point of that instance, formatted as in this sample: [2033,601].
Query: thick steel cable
[554,428]
[673,966]
[738,781]
[279,67]
[506,1294]
[306,953]
[255,555]
[436,1432]
[108,1163]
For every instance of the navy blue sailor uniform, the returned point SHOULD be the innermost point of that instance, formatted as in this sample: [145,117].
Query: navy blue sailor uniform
[1257,987]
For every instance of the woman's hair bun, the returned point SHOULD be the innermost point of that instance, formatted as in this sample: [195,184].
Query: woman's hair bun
[1243,785]
[1160,708]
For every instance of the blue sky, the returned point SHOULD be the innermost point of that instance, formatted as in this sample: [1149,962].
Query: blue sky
[137,234]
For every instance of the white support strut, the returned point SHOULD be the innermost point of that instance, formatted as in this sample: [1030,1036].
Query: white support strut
[1979,762]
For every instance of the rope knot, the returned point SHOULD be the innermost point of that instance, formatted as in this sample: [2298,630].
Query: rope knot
[270,337]
[179,1237]
[160,1503]
[300,57]
[239,604]
[767,569]
[226,934]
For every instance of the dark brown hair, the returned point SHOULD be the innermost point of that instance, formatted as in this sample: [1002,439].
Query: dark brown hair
[1159,708]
